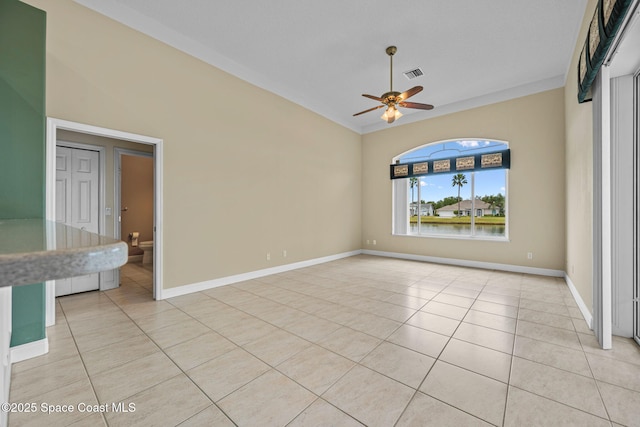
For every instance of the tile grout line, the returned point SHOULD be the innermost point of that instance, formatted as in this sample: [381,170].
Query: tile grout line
[356,363]
[159,348]
[293,355]
[84,366]
[417,390]
[513,348]
[172,361]
[553,367]
[595,380]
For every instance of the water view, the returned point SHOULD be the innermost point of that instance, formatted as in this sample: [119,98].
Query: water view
[458,229]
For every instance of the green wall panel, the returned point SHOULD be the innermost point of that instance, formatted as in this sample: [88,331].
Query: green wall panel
[22,143]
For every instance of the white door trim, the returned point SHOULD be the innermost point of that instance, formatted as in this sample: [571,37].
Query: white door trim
[53,125]
[602,263]
[606,210]
[636,207]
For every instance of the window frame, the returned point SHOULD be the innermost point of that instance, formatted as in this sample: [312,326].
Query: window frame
[400,200]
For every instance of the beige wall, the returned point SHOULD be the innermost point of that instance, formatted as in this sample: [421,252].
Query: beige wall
[109,145]
[579,176]
[137,197]
[245,171]
[534,127]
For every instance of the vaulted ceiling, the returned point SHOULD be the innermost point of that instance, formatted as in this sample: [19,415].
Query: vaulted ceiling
[324,54]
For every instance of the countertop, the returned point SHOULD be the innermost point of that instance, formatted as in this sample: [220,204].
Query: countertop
[35,250]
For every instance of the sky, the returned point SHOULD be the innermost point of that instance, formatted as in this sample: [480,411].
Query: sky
[437,187]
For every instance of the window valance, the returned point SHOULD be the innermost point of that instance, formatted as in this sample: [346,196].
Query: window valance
[467,163]
[606,22]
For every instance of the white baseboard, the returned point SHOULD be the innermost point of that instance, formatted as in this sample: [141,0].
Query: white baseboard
[468,263]
[223,281]
[29,350]
[578,299]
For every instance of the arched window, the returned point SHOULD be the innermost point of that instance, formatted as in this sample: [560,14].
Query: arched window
[455,188]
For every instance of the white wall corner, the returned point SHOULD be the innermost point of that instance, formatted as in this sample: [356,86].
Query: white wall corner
[50,301]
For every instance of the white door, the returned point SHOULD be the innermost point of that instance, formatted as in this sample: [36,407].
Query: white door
[77,187]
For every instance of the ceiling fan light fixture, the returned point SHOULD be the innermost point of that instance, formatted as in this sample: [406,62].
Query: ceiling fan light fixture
[391,115]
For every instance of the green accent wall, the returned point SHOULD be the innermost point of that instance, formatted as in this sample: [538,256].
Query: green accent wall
[22,143]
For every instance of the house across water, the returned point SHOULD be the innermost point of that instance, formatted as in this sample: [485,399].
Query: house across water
[465,206]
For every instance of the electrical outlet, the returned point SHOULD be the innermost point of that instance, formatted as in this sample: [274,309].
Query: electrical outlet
[268,256]
[368,242]
[529,255]
[374,242]
[284,253]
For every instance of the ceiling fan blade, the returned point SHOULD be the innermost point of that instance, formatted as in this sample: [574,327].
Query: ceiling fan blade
[372,97]
[416,105]
[410,93]
[370,109]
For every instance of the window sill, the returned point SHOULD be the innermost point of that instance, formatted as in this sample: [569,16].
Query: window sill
[455,237]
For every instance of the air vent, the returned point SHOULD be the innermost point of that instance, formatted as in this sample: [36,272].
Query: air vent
[412,74]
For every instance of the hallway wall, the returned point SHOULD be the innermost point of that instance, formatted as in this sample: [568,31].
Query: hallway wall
[579,176]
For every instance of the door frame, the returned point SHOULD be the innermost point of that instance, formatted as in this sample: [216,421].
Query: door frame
[604,205]
[636,206]
[53,125]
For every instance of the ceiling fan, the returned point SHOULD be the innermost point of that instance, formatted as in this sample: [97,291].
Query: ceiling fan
[392,99]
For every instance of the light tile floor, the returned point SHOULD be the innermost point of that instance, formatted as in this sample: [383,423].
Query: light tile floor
[363,340]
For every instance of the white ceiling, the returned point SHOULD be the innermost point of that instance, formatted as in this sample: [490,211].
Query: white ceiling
[324,54]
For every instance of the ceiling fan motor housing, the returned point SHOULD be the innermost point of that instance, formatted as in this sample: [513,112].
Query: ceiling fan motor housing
[390,98]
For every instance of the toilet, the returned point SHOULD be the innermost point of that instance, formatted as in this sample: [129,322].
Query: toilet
[147,248]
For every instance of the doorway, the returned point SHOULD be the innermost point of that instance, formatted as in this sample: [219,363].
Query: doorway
[134,206]
[616,169]
[53,126]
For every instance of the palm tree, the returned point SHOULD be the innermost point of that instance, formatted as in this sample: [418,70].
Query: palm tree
[459,180]
[414,183]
